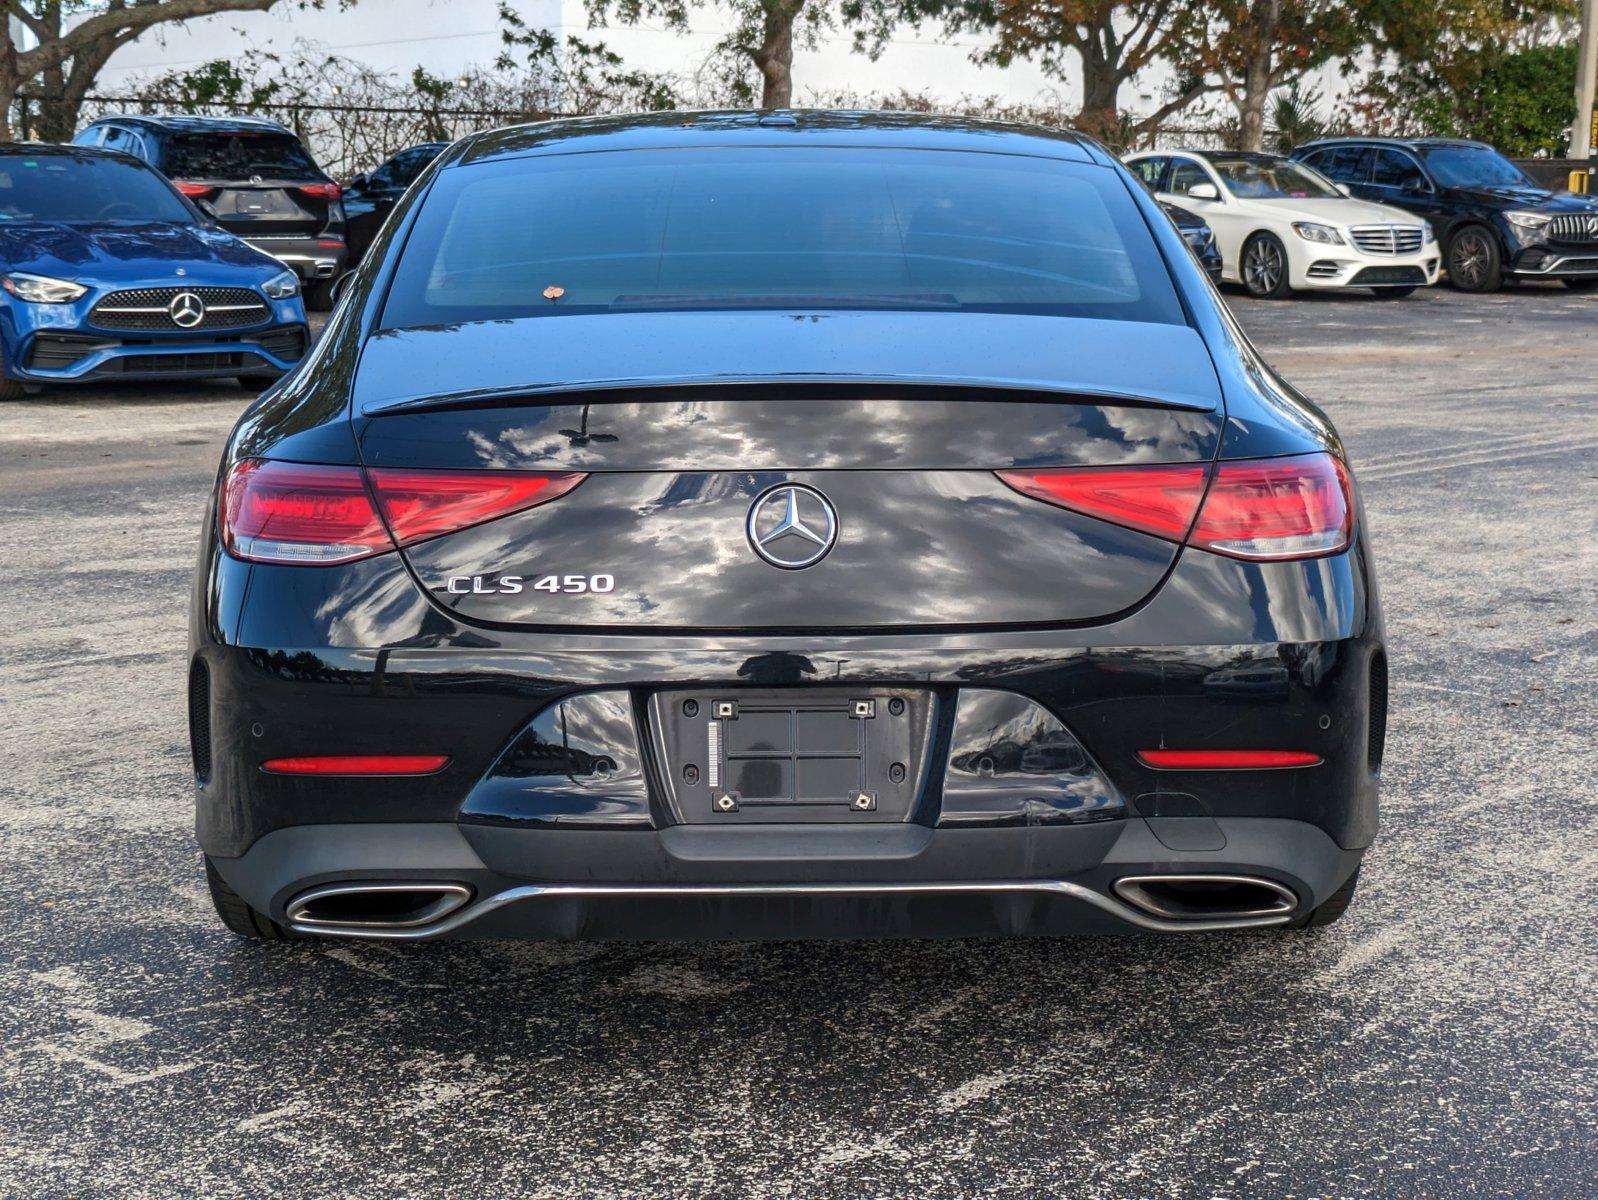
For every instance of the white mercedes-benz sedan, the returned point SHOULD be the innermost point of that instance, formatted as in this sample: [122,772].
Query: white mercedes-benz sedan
[1282,227]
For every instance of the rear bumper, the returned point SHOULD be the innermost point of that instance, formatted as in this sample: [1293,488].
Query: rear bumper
[784,881]
[310,258]
[1226,654]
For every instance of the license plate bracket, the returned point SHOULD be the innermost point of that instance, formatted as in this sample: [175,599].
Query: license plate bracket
[793,754]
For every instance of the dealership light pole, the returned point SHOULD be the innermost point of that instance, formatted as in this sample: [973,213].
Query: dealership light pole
[1586,81]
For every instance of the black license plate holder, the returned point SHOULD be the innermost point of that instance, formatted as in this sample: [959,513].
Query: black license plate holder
[793,754]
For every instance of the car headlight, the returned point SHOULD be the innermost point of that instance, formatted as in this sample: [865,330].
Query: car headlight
[282,285]
[1529,225]
[1311,232]
[41,289]
[1427,234]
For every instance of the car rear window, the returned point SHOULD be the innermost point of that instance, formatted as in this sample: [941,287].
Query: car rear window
[237,156]
[86,190]
[779,228]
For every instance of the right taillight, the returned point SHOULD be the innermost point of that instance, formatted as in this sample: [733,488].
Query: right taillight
[1263,509]
[1276,508]
[304,514]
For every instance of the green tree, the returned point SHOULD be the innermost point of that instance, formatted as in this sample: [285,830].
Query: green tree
[1254,48]
[1479,68]
[74,39]
[1113,41]
[1524,104]
[580,72]
[764,33]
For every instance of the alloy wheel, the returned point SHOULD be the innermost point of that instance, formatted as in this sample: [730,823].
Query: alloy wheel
[1263,267]
[1468,263]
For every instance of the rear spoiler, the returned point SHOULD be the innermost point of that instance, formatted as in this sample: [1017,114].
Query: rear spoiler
[832,387]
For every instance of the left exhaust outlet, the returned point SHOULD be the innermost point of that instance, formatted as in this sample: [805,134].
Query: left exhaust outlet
[358,907]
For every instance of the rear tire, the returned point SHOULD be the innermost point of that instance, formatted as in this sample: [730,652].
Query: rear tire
[1264,267]
[1333,907]
[1392,293]
[1474,261]
[236,912]
[1590,284]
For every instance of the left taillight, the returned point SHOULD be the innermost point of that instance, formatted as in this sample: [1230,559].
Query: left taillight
[304,514]
[1263,509]
[322,191]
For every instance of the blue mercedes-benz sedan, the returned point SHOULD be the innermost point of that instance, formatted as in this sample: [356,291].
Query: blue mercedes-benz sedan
[107,272]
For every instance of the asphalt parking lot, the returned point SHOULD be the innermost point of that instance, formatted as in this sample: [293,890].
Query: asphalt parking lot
[1439,1042]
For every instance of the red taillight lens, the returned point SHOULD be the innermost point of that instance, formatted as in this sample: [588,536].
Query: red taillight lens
[1259,509]
[357,764]
[296,513]
[1157,499]
[307,515]
[1227,760]
[1272,508]
[423,504]
[322,191]
[196,191]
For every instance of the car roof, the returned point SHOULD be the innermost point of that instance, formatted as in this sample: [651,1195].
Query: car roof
[190,124]
[1407,143]
[814,127]
[1210,155]
[61,150]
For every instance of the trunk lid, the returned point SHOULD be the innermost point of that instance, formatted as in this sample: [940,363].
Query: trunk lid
[898,420]
[268,209]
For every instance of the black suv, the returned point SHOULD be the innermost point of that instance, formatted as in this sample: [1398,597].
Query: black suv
[253,176]
[369,198]
[1493,222]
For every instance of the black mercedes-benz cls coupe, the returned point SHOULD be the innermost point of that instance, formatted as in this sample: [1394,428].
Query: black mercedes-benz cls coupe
[782,525]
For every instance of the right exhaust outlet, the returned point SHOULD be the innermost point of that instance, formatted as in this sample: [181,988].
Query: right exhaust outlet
[1207,897]
[370,907]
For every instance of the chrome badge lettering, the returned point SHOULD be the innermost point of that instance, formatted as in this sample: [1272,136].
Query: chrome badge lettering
[511,585]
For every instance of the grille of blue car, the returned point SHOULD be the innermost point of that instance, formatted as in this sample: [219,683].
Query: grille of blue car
[152,308]
[58,351]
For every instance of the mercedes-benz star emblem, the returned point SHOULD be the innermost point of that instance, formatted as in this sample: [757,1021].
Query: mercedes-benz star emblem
[792,526]
[186,309]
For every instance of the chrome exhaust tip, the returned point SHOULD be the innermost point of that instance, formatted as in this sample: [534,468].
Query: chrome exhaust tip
[1207,897]
[360,907]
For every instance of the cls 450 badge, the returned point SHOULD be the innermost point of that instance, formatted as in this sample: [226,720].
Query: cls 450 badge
[512,585]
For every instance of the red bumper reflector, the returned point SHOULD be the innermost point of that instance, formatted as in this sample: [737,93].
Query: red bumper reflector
[357,764]
[1226,760]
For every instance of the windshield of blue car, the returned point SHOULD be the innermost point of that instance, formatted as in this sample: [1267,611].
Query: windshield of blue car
[800,227]
[1474,166]
[85,190]
[237,155]
[1272,179]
